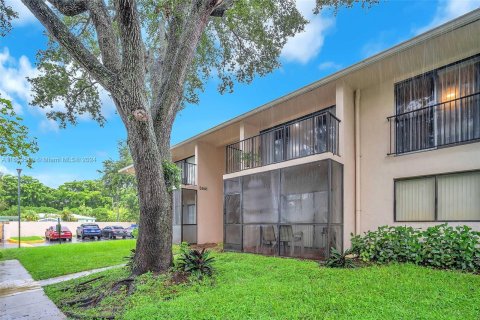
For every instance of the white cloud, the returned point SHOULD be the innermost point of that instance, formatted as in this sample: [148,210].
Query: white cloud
[24,15]
[48,125]
[108,107]
[4,170]
[448,10]
[306,45]
[16,107]
[329,65]
[13,78]
[15,87]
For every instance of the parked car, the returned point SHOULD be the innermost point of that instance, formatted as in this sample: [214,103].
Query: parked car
[130,230]
[52,234]
[112,232]
[89,230]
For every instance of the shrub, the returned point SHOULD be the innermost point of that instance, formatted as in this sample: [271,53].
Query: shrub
[451,248]
[194,262]
[172,174]
[340,260]
[130,260]
[441,246]
[389,244]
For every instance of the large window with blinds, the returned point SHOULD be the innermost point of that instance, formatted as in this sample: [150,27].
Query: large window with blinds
[444,197]
[438,108]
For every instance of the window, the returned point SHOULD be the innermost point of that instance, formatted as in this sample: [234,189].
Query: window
[446,197]
[415,200]
[438,108]
[459,197]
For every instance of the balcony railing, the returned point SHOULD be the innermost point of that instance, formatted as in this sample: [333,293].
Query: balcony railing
[443,124]
[311,135]
[188,172]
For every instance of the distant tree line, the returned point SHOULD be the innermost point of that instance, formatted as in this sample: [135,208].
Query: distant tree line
[109,198]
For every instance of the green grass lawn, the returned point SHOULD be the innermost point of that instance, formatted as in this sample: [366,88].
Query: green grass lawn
[60,259]
[256,287]
[29,238]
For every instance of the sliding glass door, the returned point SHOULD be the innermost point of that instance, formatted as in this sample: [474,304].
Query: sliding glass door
[438,108]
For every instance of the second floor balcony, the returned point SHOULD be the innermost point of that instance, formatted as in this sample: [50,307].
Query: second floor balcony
[313,134]
[443,124]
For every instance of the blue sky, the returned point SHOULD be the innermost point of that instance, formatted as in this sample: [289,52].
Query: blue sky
[328,44]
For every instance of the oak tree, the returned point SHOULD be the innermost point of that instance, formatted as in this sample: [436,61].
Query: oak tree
[153,57]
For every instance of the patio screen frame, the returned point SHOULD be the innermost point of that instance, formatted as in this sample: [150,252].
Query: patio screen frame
[239,247]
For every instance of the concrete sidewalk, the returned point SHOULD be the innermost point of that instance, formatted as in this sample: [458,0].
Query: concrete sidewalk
[21,297]
[71,276]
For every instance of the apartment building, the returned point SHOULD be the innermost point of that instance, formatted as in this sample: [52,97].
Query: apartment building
[391,140]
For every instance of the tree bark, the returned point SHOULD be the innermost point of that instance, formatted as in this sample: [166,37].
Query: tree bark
[154,243]
[122,73]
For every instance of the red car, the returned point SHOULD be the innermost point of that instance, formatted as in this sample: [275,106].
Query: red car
[52,234]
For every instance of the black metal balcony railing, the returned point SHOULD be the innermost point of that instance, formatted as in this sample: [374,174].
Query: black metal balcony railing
[447,123]
[311,135]
[188,172]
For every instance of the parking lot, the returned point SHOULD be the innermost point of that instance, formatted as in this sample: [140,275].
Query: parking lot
[6,245]
[45,229]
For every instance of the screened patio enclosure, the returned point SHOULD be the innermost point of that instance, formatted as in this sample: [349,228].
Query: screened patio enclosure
[185,215]
[295,211]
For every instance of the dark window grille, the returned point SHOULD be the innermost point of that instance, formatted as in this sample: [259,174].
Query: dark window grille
[188,172]
[437,109]
[313,134]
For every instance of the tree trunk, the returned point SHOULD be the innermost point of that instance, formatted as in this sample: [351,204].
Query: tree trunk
[154,243]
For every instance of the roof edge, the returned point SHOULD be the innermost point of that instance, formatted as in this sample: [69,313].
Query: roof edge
[446,27]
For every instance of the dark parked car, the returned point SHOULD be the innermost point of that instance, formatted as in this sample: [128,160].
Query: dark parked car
[130,230]
[89,230]
[52,234]
[112,232]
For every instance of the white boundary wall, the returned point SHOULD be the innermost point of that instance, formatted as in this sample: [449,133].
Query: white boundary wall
[32,228]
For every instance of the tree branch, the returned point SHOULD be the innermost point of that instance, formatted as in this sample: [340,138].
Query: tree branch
[133,50]
[221,7]
[59,31]
[107,39]
[156,62]
[185,30]
[70,7]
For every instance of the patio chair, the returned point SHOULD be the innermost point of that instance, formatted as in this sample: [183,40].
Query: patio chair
[267,238]
[289,238]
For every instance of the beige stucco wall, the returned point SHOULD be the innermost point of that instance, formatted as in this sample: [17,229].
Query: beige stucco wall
[345,112]
[31,228]
[379,170]
[210,168]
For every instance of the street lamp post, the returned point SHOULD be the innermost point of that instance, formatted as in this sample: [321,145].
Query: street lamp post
[19,218]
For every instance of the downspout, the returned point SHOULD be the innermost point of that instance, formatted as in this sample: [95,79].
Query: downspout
[358,155]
